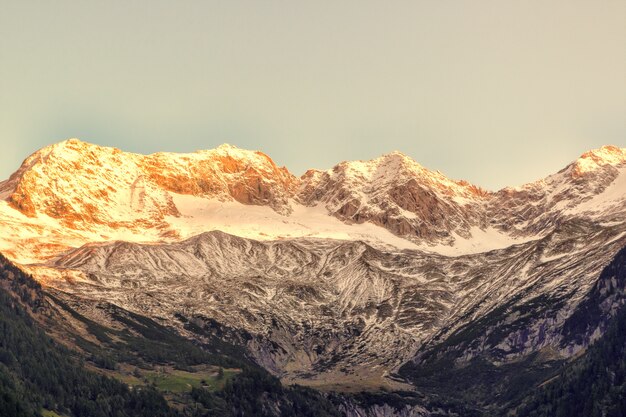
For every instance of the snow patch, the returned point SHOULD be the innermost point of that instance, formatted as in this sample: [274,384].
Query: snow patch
[200,214]
[481,240]
[613,197]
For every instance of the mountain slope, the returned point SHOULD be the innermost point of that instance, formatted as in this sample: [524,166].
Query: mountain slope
[373,274]
[493,358]
[38,373]
[322,310]
[87,353]
[593,384]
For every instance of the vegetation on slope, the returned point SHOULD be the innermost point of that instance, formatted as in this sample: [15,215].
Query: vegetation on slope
[146,369]
[39,376]
[37,373]
[594,385]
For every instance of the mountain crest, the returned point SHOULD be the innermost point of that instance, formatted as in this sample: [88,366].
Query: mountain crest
[83,183]
[598,158]
[97,193]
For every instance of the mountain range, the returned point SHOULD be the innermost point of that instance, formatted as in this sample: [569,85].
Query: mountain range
[426,295]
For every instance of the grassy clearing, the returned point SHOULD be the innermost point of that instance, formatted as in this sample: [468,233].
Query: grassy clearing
[177,381]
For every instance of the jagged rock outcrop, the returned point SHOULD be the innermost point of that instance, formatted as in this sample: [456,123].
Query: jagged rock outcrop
[397,193]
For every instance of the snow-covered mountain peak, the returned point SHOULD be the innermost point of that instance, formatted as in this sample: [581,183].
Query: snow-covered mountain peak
[253,159]
[395,167]
[397,193]
[391,161]
[70,149]
[75,192]
[598,158]
[73,173]
[71,143]
[397,159]
[227,146]
[105,193]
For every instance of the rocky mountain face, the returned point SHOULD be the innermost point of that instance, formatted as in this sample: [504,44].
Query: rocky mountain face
[320,310]
[74,193]
[397,193]
[78,192]
[372,274]
[84,184]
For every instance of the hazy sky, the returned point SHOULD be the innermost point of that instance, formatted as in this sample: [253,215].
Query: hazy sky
[496,92]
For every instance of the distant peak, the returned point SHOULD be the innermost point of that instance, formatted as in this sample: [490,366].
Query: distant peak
[226,149]
[232,150]
[394,158]
[74,143]
[608,153]
[63,144]
[227,146]
[394,154]
[398,157]
[596,158]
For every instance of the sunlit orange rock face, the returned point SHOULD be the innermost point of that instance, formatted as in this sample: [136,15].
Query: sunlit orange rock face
[589,162]
[72,193]
[83,184]
[247,177]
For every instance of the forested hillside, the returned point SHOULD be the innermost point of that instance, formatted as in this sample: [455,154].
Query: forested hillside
[594,385]
[38,374]
[41,377]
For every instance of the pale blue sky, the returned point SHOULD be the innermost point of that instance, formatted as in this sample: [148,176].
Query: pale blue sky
[496,92]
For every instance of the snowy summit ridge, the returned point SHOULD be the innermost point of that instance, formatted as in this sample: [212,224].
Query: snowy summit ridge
[74,193]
